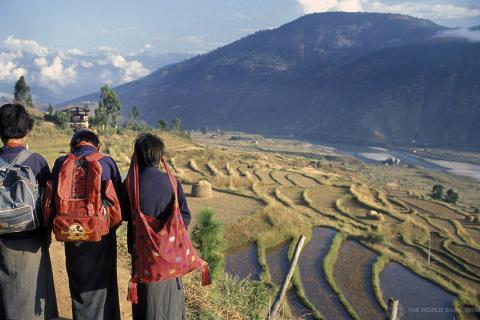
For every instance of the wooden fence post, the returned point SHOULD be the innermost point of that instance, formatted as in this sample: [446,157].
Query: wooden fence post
[278,300]
[392,310]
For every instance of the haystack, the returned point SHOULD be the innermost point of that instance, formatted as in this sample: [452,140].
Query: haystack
[470,218]
[202,189]
[476,219]
[372,214]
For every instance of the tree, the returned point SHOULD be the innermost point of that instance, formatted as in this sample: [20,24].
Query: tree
[162,124]
[204,130]
[112,105]
[133,117]
[101,116]
[50,109]
[21,92]
[208,238]
[60,118]
[437,192]
[451,197]
[177,124]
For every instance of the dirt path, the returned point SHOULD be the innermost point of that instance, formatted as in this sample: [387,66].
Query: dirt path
[61,283]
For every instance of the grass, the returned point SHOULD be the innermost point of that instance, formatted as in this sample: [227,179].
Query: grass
[282,198]
[227,298]
[213,170]
[230,298]
[328,267]
[339,204]
[377,269]
[462,234]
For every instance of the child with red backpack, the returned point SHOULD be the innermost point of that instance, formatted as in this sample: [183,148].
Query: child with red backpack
[26,280]
[158,239]
[83,206]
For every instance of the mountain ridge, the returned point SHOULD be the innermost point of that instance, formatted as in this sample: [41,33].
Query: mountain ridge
[278,81]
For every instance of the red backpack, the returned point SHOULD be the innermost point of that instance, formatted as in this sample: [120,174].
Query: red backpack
[80,209]
[161,250]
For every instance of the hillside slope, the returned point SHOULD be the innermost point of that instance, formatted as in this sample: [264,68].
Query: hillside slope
[354,77]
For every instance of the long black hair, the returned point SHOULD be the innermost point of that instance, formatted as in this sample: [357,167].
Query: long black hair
[150,150]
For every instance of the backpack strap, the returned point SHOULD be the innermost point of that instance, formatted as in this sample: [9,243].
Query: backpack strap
[3,162]
[95,156]
[22,157]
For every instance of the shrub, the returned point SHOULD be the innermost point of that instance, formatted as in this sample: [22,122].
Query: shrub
[208,238]
[451,196]
[437,192]
[375,237]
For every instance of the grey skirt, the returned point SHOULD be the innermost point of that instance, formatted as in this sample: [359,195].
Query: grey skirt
[161,300]
[26,279]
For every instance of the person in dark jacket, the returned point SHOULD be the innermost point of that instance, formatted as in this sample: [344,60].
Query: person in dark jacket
[92,266]
[161,300]
[26,280]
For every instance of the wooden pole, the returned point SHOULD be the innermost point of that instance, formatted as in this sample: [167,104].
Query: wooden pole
[278,300]
[392,310]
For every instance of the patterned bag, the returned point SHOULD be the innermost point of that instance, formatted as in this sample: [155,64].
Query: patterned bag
[160,251]
[81,208]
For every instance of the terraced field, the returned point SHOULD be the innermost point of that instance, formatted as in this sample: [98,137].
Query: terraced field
[266,199]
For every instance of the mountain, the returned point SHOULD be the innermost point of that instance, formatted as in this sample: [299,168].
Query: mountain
[349,77]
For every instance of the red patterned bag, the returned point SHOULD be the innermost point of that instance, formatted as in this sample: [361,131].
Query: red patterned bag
[81,209]
[160,252]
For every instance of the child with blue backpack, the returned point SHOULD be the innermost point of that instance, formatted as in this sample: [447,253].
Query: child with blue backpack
[26,279]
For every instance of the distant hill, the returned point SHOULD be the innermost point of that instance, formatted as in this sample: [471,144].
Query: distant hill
[349,77]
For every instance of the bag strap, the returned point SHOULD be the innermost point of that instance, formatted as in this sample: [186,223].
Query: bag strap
[22,157]
[95,156]
[3,162]
[172,180]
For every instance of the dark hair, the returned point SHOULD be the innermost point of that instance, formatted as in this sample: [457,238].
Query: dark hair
[85,136]
[15,122]
[150,150]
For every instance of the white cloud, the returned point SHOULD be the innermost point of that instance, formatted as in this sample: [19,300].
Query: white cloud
[106,77]
[41,62]
[418,9]
[29,46]
[55,73]
[470,35]
[86,64]
[9,69]
[311,6]
[75,52]
[425,10]
[148,46]
[131,70]
[349,5]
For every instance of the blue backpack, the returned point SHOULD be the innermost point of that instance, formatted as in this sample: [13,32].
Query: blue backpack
[19,195]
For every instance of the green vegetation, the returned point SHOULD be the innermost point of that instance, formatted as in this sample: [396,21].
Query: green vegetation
[437,192]
[207,236]
[377,269]
[108,111]
[59,118]
[328,267]
[451,196]
[227,298]
[162,124]
[21,93]
[402,239]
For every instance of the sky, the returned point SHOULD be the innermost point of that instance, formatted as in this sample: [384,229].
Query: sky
[49,41]
[189,25]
